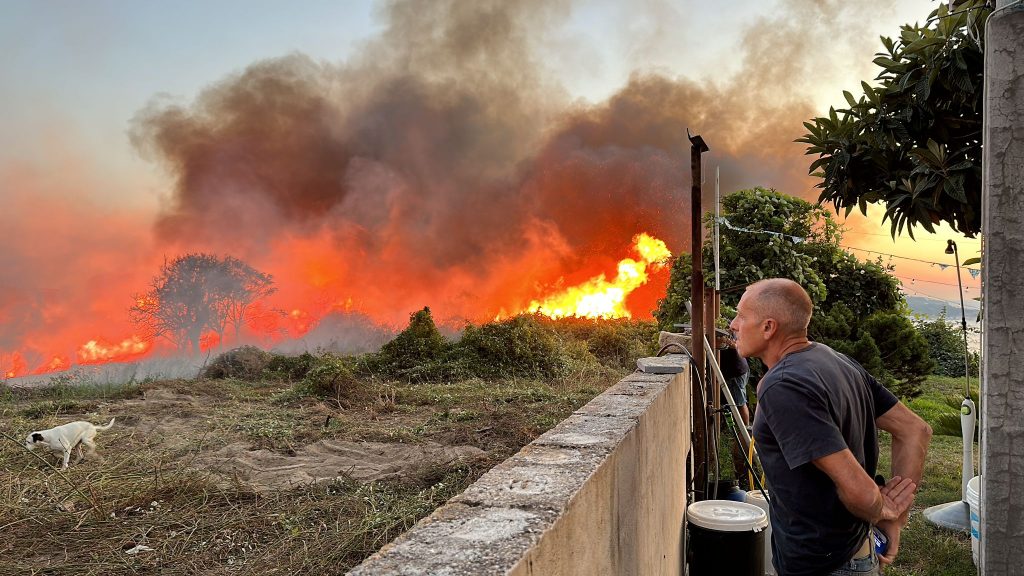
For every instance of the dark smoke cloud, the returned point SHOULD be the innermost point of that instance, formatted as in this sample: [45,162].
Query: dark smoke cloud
[448,164]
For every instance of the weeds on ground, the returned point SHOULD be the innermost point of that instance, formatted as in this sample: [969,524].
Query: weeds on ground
[146,509]
[147,514]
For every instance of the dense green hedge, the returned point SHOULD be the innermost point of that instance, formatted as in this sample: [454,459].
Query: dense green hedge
[946,345]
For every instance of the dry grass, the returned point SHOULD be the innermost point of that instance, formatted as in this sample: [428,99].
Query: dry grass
[148,490]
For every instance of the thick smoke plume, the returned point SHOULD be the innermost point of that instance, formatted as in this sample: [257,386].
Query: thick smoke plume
[446,166]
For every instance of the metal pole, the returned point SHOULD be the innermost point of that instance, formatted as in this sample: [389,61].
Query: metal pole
[744,434]
[700,433]
[718,202]
[968,410]
[963,322]
[956,515]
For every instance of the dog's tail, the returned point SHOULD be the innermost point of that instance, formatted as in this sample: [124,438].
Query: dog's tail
[107,427]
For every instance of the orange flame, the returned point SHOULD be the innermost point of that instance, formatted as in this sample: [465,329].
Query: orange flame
[94,351]
[599,298]
[55,364]
[14,365]
[297,309]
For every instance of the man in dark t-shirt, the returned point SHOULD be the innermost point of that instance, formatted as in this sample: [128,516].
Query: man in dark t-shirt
[816,432]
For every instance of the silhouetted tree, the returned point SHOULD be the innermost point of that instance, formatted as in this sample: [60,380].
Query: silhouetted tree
[245,285]
[197,293]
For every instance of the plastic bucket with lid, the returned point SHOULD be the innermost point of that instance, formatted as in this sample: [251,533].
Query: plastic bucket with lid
[756,498]
[974,502]
[726,537]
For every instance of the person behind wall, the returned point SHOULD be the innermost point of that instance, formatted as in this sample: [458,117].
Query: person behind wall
[736,371]
[816,429]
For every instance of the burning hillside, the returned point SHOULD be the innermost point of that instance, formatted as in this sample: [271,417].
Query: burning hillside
[443,166]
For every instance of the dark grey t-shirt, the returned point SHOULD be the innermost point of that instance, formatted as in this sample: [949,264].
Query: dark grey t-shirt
[813,403]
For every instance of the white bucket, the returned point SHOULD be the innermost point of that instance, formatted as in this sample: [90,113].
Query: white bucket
[757,499]
[974,502]
[726,537]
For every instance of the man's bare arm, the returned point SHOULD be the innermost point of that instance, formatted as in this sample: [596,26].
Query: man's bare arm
[910,438]
[859,493]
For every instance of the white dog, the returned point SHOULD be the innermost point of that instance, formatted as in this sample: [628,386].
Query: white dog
[67,437]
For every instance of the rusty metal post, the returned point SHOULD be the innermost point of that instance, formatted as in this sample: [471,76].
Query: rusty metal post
[698,397]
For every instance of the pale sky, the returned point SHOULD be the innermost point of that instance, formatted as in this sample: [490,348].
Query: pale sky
[74,74]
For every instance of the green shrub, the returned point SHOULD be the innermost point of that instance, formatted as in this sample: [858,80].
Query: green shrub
[245,363]
[331,377]
[290,368]
[617,343]
[520,347]
[886,344]
[946,346]
[904,352]
[418,353]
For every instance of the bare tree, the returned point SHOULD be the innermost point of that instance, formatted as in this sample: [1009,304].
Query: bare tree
[245,286]
[196,293]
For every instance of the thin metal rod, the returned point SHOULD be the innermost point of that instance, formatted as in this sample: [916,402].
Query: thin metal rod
[963,324]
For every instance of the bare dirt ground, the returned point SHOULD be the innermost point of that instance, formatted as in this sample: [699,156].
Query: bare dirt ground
[247,444]
[234,477]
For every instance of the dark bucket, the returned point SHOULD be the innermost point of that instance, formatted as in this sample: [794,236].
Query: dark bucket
[728,490]
[726,537]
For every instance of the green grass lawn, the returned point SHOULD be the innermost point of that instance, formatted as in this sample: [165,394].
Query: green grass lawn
[927,550]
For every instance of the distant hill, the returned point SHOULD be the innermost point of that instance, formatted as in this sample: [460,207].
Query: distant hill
[932,308]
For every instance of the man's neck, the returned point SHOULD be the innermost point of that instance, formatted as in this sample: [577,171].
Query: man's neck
[775,353]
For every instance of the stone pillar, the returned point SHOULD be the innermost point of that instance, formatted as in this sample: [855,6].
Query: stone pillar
[1002,408]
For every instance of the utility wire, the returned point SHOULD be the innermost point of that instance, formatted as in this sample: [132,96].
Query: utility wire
[798,239]
[954,303]
[906,257]
[931,281]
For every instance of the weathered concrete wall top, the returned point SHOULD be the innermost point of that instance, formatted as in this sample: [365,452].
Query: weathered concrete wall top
[603,492]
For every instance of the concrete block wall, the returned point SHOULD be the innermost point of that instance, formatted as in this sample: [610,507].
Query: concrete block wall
[603,492]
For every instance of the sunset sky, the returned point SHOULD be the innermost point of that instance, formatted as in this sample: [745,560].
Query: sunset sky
[114,110]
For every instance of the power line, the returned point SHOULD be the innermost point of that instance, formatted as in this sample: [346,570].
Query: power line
[799,239]
[907,257]
[931,281]
[934,297]
[845,232]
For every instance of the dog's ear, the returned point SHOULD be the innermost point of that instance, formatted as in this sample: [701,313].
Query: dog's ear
[37,437]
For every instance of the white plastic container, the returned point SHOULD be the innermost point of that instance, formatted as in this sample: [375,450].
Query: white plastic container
[974,502]
[726,537]
[757,499]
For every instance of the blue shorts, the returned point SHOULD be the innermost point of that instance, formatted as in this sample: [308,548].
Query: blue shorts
[738,389]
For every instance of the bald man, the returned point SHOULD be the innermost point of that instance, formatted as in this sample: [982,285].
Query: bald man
[815,426]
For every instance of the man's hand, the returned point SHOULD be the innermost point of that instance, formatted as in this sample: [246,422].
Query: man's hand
[897,496]
[891,529]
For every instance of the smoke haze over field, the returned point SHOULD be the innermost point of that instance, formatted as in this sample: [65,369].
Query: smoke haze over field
[444,165]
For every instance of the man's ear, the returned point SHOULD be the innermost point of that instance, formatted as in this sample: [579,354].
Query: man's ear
[768,328]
